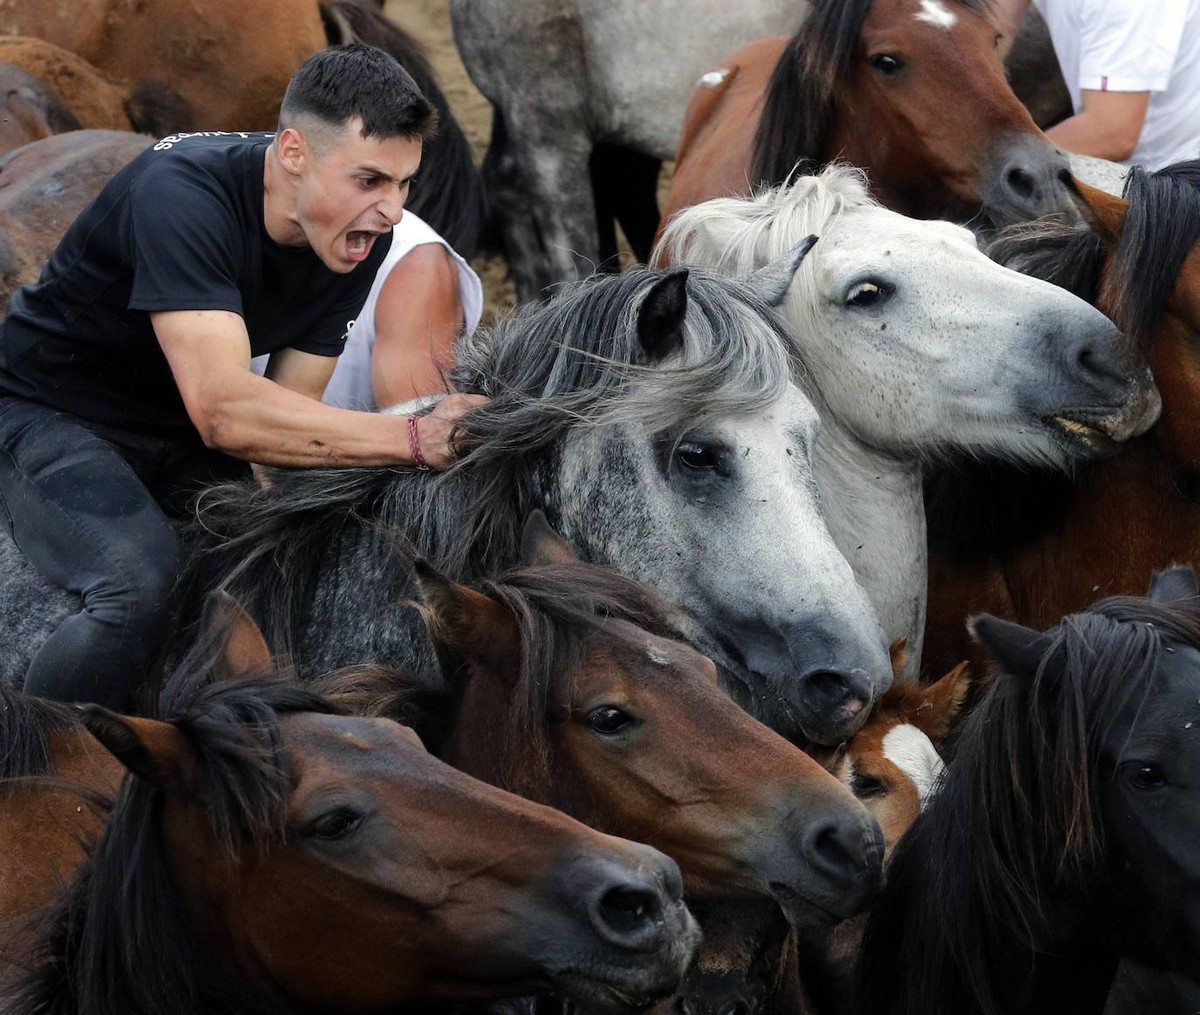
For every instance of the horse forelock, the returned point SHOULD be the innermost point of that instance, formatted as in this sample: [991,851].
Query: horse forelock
[1018,821]
[1161,228]
[1066,254]
[558,607]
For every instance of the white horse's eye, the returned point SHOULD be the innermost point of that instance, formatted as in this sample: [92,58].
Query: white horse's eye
[866,294]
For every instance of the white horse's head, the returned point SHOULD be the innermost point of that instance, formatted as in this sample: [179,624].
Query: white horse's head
[916,343]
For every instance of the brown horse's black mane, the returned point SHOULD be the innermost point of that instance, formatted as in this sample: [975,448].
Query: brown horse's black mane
[799,101]
[119,941]
[26,725]
[1001,862]
[979,509]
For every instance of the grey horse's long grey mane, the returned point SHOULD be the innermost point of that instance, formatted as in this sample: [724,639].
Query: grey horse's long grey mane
[573,362]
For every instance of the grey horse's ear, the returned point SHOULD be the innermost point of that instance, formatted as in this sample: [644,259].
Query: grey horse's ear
[1173,583]
[661,316]
[771,281]
[1019,650]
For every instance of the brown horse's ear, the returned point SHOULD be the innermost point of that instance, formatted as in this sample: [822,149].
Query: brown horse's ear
[1172,584]
[541,545]
[898,652]
[1019,650]
[938,705]
[246,649]
[152,750]
[468,628]
[1101,210]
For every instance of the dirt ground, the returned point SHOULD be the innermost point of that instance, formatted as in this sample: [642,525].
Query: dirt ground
[429,22]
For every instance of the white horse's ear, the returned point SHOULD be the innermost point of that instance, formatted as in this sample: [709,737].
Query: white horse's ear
[771,281]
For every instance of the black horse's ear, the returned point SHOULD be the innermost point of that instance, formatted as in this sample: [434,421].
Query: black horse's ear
[771,281]
[1019,650]
[1173,583]
[541,544]
[152,750]
[661,316]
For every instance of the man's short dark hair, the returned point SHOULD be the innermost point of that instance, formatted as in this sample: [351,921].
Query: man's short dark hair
[342,82]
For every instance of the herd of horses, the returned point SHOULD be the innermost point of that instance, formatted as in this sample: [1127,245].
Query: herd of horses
[664,695]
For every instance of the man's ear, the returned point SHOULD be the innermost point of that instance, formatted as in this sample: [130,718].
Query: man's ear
[293,149]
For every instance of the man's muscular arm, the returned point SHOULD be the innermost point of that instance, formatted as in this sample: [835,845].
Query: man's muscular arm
[255,419]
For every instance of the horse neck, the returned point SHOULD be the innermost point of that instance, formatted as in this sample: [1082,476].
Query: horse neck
[876,514]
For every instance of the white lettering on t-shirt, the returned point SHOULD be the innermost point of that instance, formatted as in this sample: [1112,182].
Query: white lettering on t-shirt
[172,139]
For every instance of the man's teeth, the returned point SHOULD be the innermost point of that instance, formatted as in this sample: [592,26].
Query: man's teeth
[356,243]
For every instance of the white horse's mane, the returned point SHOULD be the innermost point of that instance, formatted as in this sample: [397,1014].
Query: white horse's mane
[739,234]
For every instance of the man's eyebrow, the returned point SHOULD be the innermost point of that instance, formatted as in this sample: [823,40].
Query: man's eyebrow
[380,174]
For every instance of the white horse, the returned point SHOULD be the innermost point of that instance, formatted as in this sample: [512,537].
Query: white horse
[918,347]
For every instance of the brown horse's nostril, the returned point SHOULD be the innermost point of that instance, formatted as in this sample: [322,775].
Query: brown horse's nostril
[1022,184]
[628,915]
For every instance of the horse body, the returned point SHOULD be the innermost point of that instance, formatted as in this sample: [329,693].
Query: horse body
[604,75]
[1060,839]
[917,347]
[273,855]
[989,549]
[912,92]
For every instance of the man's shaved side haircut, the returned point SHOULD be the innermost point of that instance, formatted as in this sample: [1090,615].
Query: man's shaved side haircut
[337,84]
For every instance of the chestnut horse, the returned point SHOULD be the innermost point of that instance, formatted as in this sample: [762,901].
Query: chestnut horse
[243,868]
[1063,835]
[912,91]
[1031,546]
[563,695]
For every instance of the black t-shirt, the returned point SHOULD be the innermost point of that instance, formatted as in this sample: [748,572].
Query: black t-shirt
[179,228]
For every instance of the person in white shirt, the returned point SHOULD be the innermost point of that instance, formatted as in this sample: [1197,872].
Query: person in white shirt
[401,344]
[1133,70]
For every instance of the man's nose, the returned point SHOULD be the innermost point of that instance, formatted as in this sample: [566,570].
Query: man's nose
[392,205]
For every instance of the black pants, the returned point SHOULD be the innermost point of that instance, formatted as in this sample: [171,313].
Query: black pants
[90,508]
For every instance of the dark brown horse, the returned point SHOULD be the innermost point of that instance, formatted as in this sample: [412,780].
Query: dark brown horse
[1033,546]
[44,186]
[270,854]
[563,695]
[29,109]
[912,91]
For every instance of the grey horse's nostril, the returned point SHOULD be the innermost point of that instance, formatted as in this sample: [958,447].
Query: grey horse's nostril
[1021,183]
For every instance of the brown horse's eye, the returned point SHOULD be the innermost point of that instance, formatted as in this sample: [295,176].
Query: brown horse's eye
[887,64]
[335,825]
[866,786]
[609,721]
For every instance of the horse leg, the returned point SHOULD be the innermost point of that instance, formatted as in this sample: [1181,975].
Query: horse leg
[542,202]
[625,188]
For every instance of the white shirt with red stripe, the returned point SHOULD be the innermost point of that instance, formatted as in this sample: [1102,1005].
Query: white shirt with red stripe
[1136,46]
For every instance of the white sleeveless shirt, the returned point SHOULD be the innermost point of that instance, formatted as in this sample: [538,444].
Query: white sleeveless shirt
[350,386]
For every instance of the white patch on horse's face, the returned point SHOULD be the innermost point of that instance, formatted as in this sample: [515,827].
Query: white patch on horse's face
[911,751]
[714,77]
[934,12]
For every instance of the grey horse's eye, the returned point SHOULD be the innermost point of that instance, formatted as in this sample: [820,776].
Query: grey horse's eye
[867,294]
[696,456]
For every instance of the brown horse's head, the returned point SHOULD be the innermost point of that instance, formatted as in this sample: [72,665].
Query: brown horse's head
[566,697]
[892,763]
[914,92]
[330,863]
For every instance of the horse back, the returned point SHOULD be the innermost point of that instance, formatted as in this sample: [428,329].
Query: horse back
[713,159]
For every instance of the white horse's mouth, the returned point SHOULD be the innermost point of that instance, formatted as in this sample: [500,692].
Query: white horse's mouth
[1094,438]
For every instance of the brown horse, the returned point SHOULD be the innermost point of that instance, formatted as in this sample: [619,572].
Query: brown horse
[29,109]
[563,695]
[272,854]
[1034,546]
[44,186]
[912,91]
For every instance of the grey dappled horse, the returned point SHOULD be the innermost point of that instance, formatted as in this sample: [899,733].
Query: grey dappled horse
[653,417]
